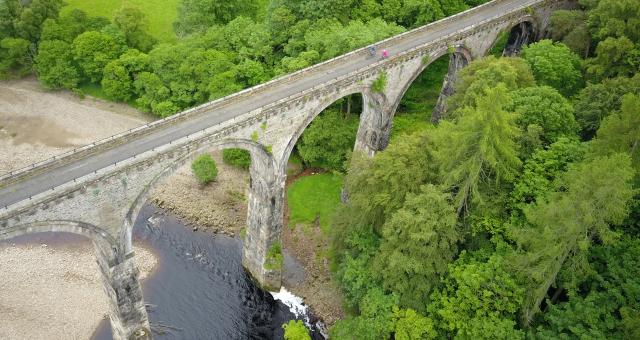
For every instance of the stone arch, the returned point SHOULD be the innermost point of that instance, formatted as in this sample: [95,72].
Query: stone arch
[311,116]
[260,158]
[521,32]
[458,49]
[92,232]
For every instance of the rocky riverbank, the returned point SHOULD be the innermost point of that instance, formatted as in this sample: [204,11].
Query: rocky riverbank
[54,293]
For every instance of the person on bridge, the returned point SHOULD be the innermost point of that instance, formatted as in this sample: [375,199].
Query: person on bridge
[372,50]
[385,54]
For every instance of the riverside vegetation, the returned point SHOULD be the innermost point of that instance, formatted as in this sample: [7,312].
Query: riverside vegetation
[517,216]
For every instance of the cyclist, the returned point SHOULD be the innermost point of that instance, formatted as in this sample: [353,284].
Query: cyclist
[385,54]
[372,50]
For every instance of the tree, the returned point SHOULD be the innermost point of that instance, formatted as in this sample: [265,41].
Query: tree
[597,101]
[9,12]
[482,74]
[93,51]
[70,24]
[594,194]
[570,27]
[15,56]
[198,15]
[615,18]
[540,171]
[328,140]
[29,25]
[204,168]
[119,75]
[620,132]
[480,300]
[413,326]
[376,319]
[55,66]
[554,64]
[614,57]
[295,330]
[134,25]
[151,91]
[607,307]
[418,242]
[545,107]
[479,151]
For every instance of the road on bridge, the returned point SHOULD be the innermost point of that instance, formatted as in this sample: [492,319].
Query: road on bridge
[39,183]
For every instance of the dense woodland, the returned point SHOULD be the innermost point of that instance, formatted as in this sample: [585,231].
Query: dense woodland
[517,216]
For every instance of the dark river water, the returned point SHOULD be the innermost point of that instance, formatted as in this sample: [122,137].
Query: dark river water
[199,289]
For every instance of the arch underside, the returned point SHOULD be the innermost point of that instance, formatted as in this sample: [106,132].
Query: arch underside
[90,231]
[312,116]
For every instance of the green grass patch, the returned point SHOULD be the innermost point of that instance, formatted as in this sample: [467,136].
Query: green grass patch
[314,196]
[160,13]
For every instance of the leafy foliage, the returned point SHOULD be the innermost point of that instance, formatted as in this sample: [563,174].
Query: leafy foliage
[479,300]
[554,64]
[418,242]
[480,150]
[295,330]
[240,158]
[204,168]
[545,107]
[328,140]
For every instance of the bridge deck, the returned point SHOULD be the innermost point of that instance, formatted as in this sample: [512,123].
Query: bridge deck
[20,190]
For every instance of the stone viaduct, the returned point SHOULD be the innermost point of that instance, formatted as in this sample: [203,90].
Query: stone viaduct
[98,190]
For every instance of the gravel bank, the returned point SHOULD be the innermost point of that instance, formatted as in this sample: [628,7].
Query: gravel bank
[54,293]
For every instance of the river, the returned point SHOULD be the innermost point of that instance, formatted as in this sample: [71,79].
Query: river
[199,289]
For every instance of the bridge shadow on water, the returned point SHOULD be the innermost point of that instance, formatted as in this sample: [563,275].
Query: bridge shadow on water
[199,289]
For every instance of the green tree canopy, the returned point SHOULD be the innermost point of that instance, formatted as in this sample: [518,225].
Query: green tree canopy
[482,74]
[620,132]
[204,168]
[133,23]
[93,51]
[480,300]
[480,151]
[119,75]
[554,64]
[328,140]
[545,107]
[597,101]
[55,65]
[418,242]
[593,195]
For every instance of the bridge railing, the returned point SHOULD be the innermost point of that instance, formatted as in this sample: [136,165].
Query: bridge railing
[120,138]
[202,134]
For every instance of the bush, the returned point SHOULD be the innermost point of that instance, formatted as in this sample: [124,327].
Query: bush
[237,157]
[204,168]
[295,330]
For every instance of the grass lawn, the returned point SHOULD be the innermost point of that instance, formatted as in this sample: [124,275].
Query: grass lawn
[313,196]
[160,13]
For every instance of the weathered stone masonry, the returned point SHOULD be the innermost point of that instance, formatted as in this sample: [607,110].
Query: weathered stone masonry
[105,204]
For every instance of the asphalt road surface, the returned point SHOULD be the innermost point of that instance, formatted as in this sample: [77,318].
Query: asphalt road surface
[24,189]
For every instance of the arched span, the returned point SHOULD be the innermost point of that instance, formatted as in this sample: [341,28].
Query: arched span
[458,49]
[521,31]
[259,158]
[90,231]
[311,116]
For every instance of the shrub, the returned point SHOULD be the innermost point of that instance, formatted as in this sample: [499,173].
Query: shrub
[237,157]
[204,168]
[295,330]
[379,83]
